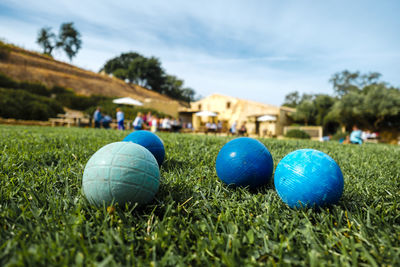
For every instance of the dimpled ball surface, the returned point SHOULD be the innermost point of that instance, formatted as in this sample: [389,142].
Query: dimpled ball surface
[123,172]
[308,177]
[244,162]
[150,141]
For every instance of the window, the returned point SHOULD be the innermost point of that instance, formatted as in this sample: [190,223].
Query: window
[228,105]
[199,106]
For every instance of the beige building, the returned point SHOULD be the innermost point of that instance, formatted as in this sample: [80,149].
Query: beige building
[261,119]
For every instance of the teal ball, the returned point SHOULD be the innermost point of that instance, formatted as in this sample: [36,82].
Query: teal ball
[122,173]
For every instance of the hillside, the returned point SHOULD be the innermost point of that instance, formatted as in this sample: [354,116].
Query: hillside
[24,65]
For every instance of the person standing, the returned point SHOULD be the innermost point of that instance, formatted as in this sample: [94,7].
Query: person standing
[154,124]
[232,130]
[97,118]
[120,119]
[138,122]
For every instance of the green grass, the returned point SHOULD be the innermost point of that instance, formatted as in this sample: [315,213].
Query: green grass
[195,219]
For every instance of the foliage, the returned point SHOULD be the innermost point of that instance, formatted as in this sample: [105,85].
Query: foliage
[195,219]
[374,107]
[148,72]
[34,88]
[4,50]
[7,82]
[47,40]
[359,99]
[346,82]
[71,100]
[299,134]
[63,96]
[340,135]
[68,39]
[19,104]
[292,99]
[305,112]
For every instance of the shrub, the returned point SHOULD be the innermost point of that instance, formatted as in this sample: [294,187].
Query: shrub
[19,104]
[4,51]
[34,88]
[7,82]
[299,134]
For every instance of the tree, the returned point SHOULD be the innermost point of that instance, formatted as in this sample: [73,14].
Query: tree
[188,94]
[374,107]
[345,82]
[47,40]
[120,74]
[292,99]
[305,112]
[121,62]
[322,104]
[148,72]
[69,39]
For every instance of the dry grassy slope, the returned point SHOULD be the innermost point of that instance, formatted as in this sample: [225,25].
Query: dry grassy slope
[23,65]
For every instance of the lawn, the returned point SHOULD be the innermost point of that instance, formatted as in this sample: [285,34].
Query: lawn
[194,219]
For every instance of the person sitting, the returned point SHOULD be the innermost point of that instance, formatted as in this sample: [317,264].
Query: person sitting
[106,122]
[326,138]
[232,130]
[243,129]
[212,128]
[219,126]
[355,136]
[208,126]
[138,122]
[166,124]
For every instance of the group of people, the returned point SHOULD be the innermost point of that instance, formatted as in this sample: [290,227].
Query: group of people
[357,136]
[104,121]
[212,127]
[142,121]
[154,124]
[242,130]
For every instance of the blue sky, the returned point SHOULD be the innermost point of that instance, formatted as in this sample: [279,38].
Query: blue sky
[257,50]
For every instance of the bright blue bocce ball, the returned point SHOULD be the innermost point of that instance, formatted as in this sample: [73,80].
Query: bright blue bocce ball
[121,172]
[244,162]
[308,178]
[150,141]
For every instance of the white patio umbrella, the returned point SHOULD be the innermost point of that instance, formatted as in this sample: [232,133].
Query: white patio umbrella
[127,101]
[206,113]
[266,118]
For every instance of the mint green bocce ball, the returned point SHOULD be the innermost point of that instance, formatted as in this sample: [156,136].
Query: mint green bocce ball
[122,172]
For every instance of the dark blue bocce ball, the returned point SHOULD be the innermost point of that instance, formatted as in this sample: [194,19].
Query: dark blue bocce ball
[244,162]
[308,178]
[150,141]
